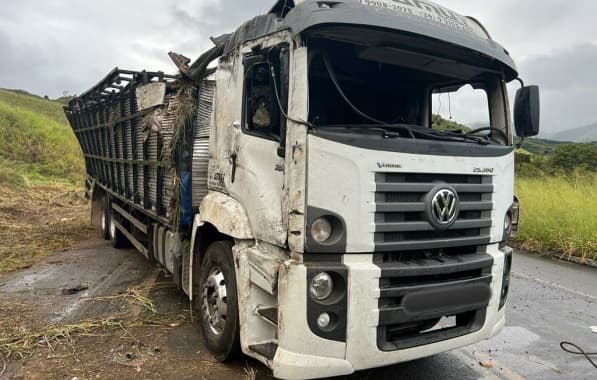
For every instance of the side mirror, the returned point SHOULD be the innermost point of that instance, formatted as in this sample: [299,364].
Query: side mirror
[527,111]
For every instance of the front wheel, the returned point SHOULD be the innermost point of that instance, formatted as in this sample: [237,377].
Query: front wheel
[215,298]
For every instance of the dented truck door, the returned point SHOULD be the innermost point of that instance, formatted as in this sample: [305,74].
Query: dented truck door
[256,176]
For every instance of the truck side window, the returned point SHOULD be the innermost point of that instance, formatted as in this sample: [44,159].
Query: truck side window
[262,115]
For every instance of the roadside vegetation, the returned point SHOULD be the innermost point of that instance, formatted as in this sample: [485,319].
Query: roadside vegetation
[42,209]
[557,193]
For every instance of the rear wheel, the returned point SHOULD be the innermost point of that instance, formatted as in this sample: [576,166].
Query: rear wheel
[117,238]
[215,298]
[105,219]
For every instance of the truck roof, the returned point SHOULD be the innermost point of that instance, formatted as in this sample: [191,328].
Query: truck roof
[413,17]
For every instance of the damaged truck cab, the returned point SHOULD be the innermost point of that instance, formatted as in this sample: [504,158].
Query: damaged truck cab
[293,181]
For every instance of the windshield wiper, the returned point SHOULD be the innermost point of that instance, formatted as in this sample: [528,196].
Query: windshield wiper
[364,128]
[413,131]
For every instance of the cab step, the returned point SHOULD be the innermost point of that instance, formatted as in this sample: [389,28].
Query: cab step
[267,350]
[268,313]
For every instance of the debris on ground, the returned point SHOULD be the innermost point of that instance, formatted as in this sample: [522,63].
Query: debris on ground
[75,290]
[486,364]
[593,328]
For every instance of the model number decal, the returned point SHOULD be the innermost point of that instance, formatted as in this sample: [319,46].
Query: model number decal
[484,170]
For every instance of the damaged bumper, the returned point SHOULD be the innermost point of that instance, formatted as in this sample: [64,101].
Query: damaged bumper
[376,330]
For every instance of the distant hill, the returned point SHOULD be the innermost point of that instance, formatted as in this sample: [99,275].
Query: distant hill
[579,135]
[37,145]
[62,99]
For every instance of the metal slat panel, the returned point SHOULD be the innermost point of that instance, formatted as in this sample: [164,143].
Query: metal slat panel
[200,170]
[203,125]
[205,108]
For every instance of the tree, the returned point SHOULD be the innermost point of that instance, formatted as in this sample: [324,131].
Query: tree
[571,156]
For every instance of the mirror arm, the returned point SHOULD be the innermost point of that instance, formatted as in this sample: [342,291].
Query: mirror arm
[521,82]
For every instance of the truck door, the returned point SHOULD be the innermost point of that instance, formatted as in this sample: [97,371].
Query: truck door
[257,170]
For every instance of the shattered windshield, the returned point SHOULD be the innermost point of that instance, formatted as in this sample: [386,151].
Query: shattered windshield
[368,90]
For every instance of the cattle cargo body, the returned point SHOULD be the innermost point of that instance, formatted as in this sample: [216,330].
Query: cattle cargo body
[294,182]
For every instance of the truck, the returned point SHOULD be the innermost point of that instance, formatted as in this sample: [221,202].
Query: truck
[293,182]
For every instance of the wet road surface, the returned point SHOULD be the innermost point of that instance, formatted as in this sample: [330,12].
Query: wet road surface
[549,302]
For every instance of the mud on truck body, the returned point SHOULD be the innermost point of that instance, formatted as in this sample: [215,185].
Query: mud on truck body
[291,182]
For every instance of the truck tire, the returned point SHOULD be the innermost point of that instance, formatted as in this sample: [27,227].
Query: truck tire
[117,238]
[215,298]
[105,218]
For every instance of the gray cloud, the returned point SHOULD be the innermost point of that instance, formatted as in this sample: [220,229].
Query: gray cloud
[51,46]
[568,68]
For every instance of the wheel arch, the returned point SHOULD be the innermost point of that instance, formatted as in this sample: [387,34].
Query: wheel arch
[220,217]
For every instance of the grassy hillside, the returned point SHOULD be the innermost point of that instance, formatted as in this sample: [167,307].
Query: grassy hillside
[42,210]
[442,124]
[36,144]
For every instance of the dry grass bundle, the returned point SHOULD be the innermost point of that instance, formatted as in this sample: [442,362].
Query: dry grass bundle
[21,344]
[38,222]
[137,296]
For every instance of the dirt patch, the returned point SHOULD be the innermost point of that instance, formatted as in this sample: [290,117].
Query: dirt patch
[38,222]
[151,344]
[130,322]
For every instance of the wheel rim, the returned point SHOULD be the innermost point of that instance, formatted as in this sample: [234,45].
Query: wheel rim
[112,228]
[214,298]
[103,221]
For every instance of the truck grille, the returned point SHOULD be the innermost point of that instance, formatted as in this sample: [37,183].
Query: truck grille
[427,297]
[400,222]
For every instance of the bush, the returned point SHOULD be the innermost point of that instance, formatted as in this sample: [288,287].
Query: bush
[570,156]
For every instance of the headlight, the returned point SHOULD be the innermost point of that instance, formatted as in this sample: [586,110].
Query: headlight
[321,230]
[321,287]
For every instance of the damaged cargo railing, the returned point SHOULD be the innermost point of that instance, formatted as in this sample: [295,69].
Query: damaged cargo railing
[132,127]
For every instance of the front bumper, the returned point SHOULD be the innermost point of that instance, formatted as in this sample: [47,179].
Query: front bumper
[303,355]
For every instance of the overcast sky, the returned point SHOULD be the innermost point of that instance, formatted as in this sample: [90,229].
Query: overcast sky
[51,46]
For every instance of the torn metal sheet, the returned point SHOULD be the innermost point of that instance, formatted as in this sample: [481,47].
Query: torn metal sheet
[150,95]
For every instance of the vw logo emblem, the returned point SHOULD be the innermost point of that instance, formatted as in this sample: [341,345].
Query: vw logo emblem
[443,207]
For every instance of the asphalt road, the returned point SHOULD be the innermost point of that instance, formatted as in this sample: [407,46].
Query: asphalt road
[550,302]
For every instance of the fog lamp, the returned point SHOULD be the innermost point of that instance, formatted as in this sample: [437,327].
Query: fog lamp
[324,320]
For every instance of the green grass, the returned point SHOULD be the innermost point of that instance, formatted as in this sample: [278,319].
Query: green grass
[559,214]
[36,144]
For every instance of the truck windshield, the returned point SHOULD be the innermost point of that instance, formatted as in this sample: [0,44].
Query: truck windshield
[413,96]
